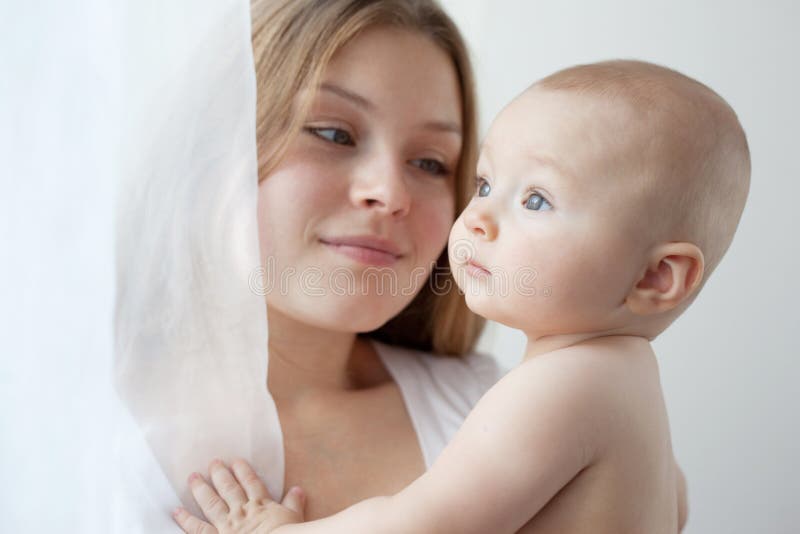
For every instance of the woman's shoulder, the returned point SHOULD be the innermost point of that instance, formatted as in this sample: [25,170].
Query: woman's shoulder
[439,391]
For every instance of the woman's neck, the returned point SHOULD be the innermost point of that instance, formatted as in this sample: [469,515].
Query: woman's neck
[307,359]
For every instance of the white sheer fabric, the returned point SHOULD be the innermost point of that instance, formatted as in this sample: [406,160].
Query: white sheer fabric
[191,337]
[128,149]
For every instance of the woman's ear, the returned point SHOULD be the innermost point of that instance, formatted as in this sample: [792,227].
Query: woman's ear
[673,273]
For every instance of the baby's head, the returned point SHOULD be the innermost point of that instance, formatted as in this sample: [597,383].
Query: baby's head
[606,195]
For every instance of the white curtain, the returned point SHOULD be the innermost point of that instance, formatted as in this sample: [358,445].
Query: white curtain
[133,349]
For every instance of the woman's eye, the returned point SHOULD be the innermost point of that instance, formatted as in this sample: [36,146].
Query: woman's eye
[537,202]
[483,188]
[431,166]
[334,135]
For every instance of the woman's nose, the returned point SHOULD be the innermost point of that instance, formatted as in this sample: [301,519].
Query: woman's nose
[480,223]
[382,186]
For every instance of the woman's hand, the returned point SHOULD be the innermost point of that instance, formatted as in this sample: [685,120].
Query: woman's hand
[238,504]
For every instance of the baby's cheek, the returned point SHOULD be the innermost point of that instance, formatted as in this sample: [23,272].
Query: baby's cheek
[456,231]
[459,247]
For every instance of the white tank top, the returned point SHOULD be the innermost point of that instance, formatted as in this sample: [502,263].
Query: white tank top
[438,391]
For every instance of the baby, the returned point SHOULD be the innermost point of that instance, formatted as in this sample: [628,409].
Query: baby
[606,195]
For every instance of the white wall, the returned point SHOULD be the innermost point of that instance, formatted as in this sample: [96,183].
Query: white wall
[729,364]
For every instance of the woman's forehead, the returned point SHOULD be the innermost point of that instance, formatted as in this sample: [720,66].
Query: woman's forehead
[389,69]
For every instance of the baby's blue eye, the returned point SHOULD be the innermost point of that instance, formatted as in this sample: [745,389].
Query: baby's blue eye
[536,202]
[483,188]
[334,135]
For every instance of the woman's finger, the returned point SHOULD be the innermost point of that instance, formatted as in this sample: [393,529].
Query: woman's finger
[190,524]
[226,485]
[210,503]
[253,486]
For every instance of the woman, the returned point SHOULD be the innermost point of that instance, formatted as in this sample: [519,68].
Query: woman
[366,141]
[365,172]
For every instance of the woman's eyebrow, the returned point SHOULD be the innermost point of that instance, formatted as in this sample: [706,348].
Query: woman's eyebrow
[356,99]
[360,101]
[443,126]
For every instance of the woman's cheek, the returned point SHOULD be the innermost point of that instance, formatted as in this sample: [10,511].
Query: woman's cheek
[436,224]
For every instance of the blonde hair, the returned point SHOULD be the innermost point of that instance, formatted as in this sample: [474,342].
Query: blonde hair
[687,137]
[293,42]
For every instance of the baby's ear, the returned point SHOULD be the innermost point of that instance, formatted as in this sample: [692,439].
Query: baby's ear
[673,274]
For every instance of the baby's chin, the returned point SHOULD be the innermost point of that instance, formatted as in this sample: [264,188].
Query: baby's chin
[483,296]
[486,305]
[506,310]
[481,309]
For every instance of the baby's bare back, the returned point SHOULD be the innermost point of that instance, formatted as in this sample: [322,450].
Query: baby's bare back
[631,486]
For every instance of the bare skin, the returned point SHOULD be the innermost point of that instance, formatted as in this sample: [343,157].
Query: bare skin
[345,445]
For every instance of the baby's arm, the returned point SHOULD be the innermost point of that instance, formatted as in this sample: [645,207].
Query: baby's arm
[527,438]
[531,434]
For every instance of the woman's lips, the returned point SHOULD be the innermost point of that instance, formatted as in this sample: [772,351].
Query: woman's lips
[357,249]
[476,270]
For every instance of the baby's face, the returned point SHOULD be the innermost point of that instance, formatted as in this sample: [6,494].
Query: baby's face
[554,220]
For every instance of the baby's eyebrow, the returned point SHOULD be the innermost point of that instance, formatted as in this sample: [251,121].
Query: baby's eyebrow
[541,160]
[544,160]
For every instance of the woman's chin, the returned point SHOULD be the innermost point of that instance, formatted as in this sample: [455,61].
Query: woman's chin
[350,314]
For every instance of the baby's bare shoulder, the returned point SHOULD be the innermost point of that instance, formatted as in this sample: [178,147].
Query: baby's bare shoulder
[624,357]
[601,377]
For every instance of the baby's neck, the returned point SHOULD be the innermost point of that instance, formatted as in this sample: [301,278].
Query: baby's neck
[549,343]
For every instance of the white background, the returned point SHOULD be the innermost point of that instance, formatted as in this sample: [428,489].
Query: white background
[730,364]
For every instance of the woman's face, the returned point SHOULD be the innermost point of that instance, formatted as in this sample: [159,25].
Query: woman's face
[360,208]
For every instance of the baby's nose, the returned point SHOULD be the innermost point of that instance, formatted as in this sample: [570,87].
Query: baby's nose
[480,224]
